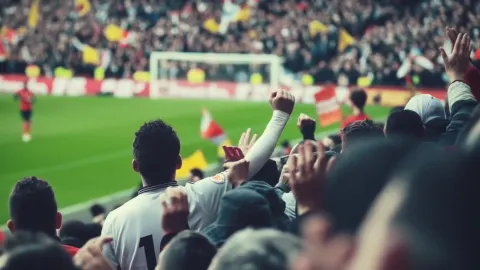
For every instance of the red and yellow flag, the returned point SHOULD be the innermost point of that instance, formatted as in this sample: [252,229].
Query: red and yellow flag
[328,109]
[210,130]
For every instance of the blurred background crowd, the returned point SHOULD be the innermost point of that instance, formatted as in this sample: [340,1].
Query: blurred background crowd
[346,42]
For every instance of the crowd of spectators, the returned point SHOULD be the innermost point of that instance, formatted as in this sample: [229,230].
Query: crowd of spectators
[307,34]
[401,195]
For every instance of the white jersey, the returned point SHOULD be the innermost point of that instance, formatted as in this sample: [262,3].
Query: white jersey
[136,227]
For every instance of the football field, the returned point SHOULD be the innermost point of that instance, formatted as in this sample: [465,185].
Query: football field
[82,145]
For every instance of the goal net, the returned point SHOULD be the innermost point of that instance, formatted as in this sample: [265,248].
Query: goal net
[214,75]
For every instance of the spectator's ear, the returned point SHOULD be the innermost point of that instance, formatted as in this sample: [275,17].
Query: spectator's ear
[135,166]
[179,162]
[58,220]
[11,226]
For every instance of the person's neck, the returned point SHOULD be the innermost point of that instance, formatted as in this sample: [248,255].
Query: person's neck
[145,183]
[357,111]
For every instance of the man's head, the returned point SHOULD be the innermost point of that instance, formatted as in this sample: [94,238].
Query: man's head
[257,250]
[156,152]
[187,251]
[196,175]
[426,218]
[33,207]
[34,251]
[358,131]
[404,123]
[358,98]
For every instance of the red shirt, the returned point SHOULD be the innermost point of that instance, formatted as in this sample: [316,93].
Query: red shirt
[71,250]
[354,118]
[26,99]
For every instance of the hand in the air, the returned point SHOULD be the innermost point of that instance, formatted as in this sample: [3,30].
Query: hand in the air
[457,64]
[282,101]
[245,142]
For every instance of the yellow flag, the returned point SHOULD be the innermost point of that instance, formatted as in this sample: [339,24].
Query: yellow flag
[211,25]
[90,56]
[34,14]
[196,160]
[243,15]
[220,151]
[83,7]
[113,33]
[315,26]
[344,40]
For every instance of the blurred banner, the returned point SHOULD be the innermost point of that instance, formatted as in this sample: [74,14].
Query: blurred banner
[34,14]
[128,88]
[195,161]
[328,109]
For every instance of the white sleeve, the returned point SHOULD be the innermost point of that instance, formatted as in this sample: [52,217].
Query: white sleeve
[457,91]
[290,205]
[262,149]
[108,250]
[204,198]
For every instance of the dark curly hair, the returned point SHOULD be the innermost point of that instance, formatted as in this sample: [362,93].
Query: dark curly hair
[358,98]
[156,149]
[33,206]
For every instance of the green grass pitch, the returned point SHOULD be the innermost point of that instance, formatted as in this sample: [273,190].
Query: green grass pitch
[82,145]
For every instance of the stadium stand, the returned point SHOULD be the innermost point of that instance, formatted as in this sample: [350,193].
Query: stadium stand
[354,41]
[401,196]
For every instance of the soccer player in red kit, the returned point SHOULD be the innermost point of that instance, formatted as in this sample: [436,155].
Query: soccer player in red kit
[26,98]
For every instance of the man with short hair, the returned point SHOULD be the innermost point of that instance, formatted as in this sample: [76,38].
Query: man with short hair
[195,175]
[33,208]
[358,99]
[358,131]
[34,251]
[135,226]
[404,123]
[187,251]
[257,250]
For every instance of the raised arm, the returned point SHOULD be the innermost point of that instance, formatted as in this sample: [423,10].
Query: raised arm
[282,105]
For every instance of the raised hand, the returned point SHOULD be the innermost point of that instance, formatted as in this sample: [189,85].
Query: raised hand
[175,210]
[459,61]
[307,176]
[237,172]
[282,101]
[245,142]
[90,256]
[307,125]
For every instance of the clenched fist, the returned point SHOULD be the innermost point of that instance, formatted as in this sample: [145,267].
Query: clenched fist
[282,101]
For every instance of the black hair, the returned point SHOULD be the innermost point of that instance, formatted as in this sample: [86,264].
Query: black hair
[188,251]
[360,130]
[35,251]
[197,172]
[405,123]
[397,109]
[33,206]
[285,144]
[156,149]
[358,98]
[79,230]
[336,138]
[97,209]
[268,173]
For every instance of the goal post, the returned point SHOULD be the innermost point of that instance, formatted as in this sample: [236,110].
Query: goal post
[159,65]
